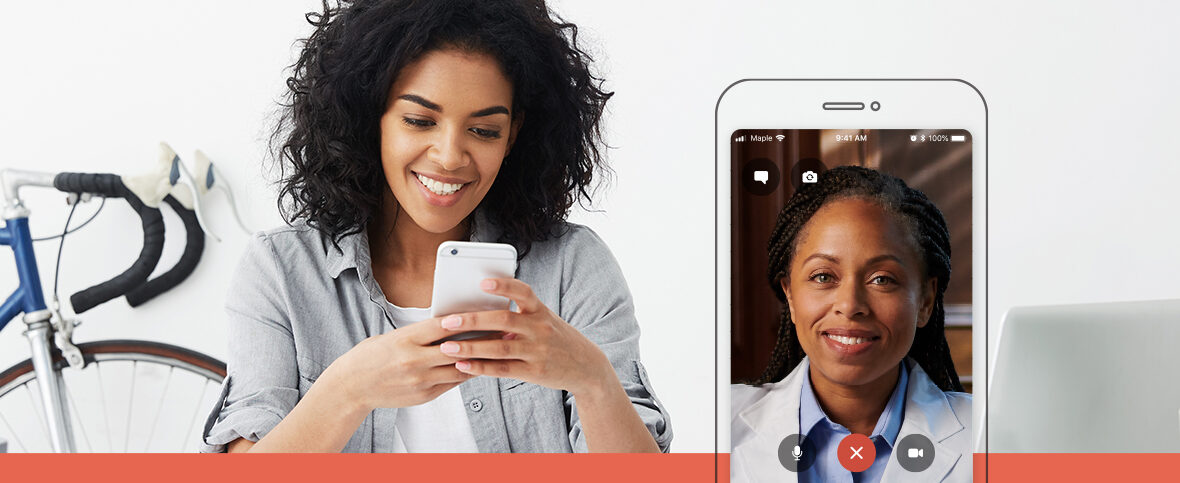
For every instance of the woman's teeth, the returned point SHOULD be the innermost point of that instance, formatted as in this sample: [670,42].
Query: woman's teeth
[848,340]
[439,188]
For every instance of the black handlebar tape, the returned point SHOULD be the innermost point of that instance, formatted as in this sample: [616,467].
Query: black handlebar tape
[194,246]
[109,185]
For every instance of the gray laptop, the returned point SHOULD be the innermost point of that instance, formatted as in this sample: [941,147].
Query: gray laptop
[1088,378]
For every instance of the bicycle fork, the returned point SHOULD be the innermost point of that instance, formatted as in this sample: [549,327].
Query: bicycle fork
[50,381]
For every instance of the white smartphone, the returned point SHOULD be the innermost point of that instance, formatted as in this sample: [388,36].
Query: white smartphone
[459,268]
[775,135]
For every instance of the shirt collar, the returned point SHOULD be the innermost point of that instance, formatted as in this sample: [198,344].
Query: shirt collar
[353,251]
[888,424]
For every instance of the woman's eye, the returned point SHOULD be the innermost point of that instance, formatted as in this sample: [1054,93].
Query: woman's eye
[486,133]
[822,278]
[415,122]
[882,280]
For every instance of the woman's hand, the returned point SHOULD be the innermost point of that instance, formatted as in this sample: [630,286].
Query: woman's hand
[537,346]
[396,369]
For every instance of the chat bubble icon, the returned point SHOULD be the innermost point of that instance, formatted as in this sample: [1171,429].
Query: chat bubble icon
[762,176]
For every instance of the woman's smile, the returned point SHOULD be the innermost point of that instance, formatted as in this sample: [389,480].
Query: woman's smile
[849,342]
[439,190]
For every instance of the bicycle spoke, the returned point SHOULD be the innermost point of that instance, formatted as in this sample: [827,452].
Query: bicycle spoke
[102,398]
[130,406]
[159,409]
[196,412]
[82,425]
[15,436]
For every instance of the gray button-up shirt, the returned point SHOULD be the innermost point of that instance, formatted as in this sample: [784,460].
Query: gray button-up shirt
[297,303]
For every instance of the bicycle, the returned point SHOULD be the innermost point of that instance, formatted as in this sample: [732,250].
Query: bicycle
[53,368]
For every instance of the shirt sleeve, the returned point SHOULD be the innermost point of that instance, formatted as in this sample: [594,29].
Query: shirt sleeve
[595,300]
[263,382]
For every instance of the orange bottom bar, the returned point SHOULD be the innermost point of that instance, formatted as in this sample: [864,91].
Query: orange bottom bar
[488,468]
[481,468]
[1077,467]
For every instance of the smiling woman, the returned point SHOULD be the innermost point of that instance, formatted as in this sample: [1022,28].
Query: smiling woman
[411,123]
[862,262]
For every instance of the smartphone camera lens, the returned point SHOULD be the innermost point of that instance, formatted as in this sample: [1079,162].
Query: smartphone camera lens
[876,106]
[454,251]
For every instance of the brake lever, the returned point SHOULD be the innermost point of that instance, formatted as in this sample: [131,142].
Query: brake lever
[189,197]
[210,179]
[164,179]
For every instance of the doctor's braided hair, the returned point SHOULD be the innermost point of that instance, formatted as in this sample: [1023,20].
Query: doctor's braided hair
[927,228]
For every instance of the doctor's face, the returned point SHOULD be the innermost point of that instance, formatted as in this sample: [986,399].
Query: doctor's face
[857,292]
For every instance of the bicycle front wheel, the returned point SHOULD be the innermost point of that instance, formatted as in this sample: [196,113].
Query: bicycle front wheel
[131,396]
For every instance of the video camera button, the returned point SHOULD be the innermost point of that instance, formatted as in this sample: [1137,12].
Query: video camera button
[914,452]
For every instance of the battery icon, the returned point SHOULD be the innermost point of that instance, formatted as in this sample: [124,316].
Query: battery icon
[958,138]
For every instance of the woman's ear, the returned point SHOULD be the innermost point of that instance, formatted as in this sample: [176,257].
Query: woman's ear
[785,283]
[928,290]
[517,121]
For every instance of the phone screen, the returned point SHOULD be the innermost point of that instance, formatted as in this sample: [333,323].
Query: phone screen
[840,293]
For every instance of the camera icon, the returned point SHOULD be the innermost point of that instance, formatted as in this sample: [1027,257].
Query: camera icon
[810,177]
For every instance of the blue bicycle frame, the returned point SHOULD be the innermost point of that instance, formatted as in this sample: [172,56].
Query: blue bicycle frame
[27,297]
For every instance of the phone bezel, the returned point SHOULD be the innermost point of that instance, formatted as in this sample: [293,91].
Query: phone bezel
[905,104]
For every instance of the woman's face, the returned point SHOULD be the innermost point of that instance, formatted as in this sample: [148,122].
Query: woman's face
[856,291]
[444,134]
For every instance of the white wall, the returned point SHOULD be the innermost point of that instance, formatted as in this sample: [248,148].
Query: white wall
[1082,164]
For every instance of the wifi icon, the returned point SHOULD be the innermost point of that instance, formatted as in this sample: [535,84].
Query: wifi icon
[779,137]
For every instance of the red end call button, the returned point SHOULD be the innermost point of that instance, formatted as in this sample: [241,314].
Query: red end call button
[856,452]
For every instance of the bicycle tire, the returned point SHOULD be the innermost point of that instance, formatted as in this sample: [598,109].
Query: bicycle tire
[94,353]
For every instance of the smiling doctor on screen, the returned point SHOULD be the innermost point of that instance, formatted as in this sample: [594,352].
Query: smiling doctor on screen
[862,262]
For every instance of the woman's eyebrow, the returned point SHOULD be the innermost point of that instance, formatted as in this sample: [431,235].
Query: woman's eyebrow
[824,256]
[881,258]
[419,100]
[488,111]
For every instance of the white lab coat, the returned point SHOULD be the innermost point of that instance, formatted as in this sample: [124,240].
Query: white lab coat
[763,416]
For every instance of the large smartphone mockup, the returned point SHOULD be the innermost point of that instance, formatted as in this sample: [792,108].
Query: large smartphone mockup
[775,138]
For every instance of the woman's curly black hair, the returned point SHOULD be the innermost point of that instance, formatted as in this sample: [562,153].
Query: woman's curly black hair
[328,137]
[928,230]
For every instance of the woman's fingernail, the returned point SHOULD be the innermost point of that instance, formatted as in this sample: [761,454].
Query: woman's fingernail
[462,365]
[452,322]
[449,347]
[488,284]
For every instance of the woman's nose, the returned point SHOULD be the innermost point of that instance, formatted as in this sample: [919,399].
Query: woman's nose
[448,150]
[850,301]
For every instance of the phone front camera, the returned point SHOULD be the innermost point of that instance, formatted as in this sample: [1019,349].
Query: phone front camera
[454,251]
[876,106]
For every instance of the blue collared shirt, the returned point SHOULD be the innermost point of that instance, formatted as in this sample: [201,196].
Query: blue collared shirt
[826,435]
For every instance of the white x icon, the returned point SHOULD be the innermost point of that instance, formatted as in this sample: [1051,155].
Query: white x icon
[856,452]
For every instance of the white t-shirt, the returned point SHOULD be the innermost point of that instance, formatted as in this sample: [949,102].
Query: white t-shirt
[437,426]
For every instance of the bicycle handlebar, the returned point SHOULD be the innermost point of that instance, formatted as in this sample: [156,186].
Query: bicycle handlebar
[111,186]
[193,248]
